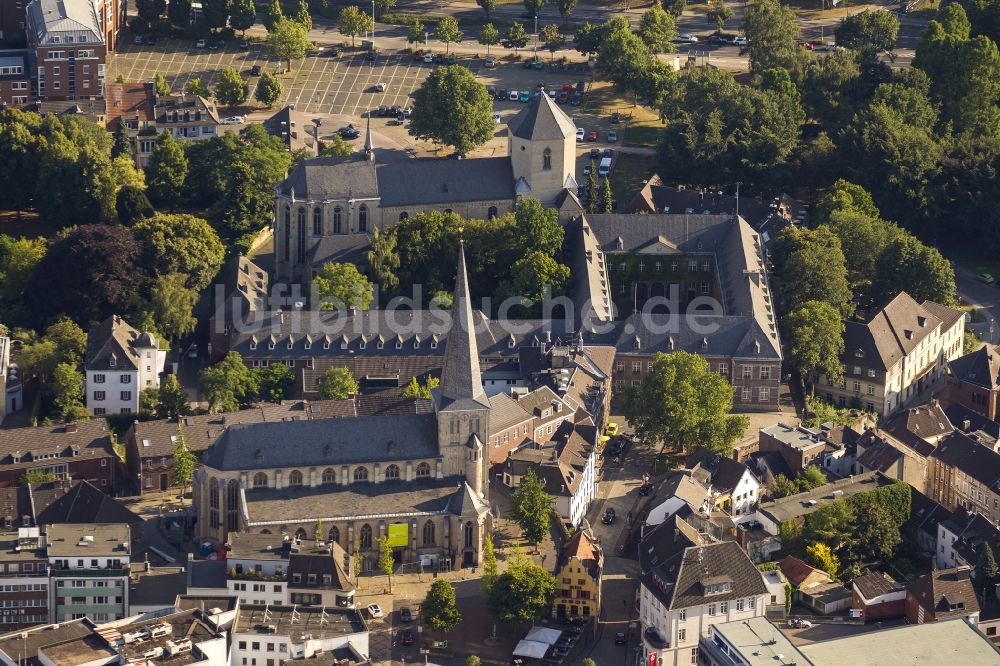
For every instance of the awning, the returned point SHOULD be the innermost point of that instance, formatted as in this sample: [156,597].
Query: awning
[532,649]
[543,635]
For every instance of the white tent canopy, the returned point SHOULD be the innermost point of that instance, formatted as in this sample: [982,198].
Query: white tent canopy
[543,635]
[531,649]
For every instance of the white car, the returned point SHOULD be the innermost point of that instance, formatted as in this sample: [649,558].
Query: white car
[201,43]
[490,62]
[428,58]
[496,116]
[580,133]
[233,120]
[740,40]
[513,95]
[380,87]
[686,39]
[375,611]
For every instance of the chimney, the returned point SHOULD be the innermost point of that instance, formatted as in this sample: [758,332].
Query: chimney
[966,425]
[70,428]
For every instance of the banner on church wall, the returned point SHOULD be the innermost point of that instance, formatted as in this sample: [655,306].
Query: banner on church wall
[399,534]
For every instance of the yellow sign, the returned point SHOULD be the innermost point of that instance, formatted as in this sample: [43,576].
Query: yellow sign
[399,535]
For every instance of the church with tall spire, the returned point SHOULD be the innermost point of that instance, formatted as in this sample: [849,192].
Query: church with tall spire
[418,480]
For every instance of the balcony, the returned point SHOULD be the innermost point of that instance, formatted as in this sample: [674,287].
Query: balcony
[87,573]
[653,639]
[253,575]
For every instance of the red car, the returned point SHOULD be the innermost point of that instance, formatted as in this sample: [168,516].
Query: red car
[418,56]
[567,88]
[592,136]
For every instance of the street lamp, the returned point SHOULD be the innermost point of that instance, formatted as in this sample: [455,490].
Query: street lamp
[373,25]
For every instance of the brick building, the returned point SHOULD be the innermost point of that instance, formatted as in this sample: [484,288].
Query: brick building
[15,78]
[69,451]
[974,381]
[67,48]
[962,473]
[942,594]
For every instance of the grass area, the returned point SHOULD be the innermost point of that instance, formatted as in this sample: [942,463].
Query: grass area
[641,125]
[630,173]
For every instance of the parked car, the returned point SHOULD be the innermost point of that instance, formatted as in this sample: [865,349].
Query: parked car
[349,132]
[501,95]
[620,638]
[539,65]
[592,136]
[406,637]
[514,95]
[580,133]
[526,64]
[609,516]
[244,45]
[201,43]
[612,136]
[233,120]
[492,90]
[740,40]
[985,278]
[685,38]
[562,98]
[151,40]
[405,614]
[418,56]
[595,153]
[375,611]
[407,111]
[383,111]
[380,87]
[428,58]
[490,63]
[616,118]
[192,351]
[214,45]
[255,70]
[371,56]
[439,58]
[610,152]
[452,59]
[525,96]
[139,39]
[576,99]
[611,430]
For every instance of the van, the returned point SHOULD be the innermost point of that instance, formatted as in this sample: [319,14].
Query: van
[605,167]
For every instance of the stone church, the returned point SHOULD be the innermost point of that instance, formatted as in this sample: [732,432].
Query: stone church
[327,207]
[419,480]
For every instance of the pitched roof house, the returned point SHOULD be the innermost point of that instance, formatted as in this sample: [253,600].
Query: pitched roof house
[121,362]
[942,594]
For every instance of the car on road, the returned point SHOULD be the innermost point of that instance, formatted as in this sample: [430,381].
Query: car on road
[349,132]
[580,133]
[244,45]
[562,98]
[139,39]
[609,516]
[428,58]
[586,169]
[255,70]
[592,136]
[492,91]
[380,87]
[233,120]
[611,430]
[985,278]
[501,95]
[405,614]
[539,65]
[201,43]
[406,637]
[610,152]
[375,611]
[440,58]
[616,118]
[595,153]
[383,111]
[490,63]
[418,56]
[685,38]
[576,99]
[717,39]
[525,96]
[739,40]
[612,136]
[514,95]
[620,638]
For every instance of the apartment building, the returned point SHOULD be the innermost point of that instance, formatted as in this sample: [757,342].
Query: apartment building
[67,48]
[974,381]
[896,356]
[24,595]
[15,77]
[120,363]
[288,634]
[733,488]
[578,577]
[962,473]
[79,450]
[89,569]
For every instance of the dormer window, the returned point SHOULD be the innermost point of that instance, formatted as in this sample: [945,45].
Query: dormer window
[270,345]
[291,343]
[308,344]
[253,343]
[112,361]
[326,343]
[380,344]
[510,342]
[343,342]
[399,343]
[434,342]
[859,353]
[416,342]
[362,344]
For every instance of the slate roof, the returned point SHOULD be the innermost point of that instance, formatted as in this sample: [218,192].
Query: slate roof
[958,414]
[15,504]
[946,593]
[358,501]
[37,446]
[81,502]
[767,465]
[537,401]
[721,472]
[321,178]
[292,127]
[875,584]
[961,452]
[428,181]
[505,412]
[51,18]
[973,532]
[340,248]
[981,367]
[541,120]
[461,379]
[879,454]
[321,560]
[322,443]
[920,427]
[680,580]
[114,338]
[190,110]
[684,486]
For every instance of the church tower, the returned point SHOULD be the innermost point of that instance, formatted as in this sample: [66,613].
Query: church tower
[460,402]
[542,148]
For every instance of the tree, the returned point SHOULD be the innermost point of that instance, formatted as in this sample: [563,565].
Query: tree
[488,7]
[782,486]
[566,9]
[122,144]
[383,259]
[489,36]
[288,41]
[533,6]
[440,609]
[718,13]
[341,286]
[877,29]
[18,259]
[38,475]
[985,573]
[683,402]
[447,31]
[386,562]
[473,660]
[588,662]
[453,108]
[814,339]
[229,384]
[771,31]
[67,391]
[215,12]
[160,85]
[150,10]
[337,383]
[832,524]
[132,205]
[269,91]
[490,569]
[335,146]
[39,359]
[416,34]
[517,37]
[303,17]
[149,400]
[184,462]
[417,390]
[272,15]
[319,532]
[75,181]
[181,243]
[551,38]
[876,535]
[658,29]
[89,274]
[197,87]
[522,594]
[811,477]
[352,22]
[809,265]
[604,201]
[674,7]
[166,171]
[276,382]
[623,56]
[532,508]
[587,38]
[172,401]
[179,12]
[173,305]
[820,555]
[921,271]
[590,193]
[242,15]
[69,339]
[231,90]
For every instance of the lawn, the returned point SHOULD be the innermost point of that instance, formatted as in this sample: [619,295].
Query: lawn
[641,126]
[629,175]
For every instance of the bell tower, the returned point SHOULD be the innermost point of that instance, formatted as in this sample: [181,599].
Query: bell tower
[542,149]
[460,402]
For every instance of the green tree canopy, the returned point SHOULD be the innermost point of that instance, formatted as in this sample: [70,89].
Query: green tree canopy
[819,555]
[172,401]
[288,41]
[440,608]
[533,7]
[551,38]
[337,383]
[269,91]
[276,382]
[489,36]
[447,31]
[160,85]
[303,17]
[165,174]
[173,305]
[181,243]
[67,391]
[179,12]
[566,9]
[488,6]
[921,271]
[132,205]
[231,90]
[658,29]
[216,12]
[150,10]
[516,38]
[197,87]
[832,524]
[416,33]
[272,15]
[532,508]
[342,286]
[681,401]
[352,22]
[814,341]
[718,13]
[771,30]
[451,107]
[184,461]
[809,265]
[874,28]
[522,594]
[242,15]
[229,384]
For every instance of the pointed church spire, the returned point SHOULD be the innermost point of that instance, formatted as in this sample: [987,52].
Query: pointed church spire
[461,379]
[369,146]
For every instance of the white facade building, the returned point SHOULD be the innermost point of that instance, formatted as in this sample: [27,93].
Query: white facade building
[121,363]
[89,571]
[288,633]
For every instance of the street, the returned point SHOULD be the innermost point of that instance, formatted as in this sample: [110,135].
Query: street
[985,297]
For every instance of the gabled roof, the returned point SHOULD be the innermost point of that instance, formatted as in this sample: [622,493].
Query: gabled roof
[721,472]
[894,332]
[920,427]
[429,181]
[585,548]
[946,593]
[51,18]
[80,502]
[542,120]
[131,100]
[112,345]
[961,452]
[801,574]
[505,412]
[327,559]
[980,367]
[321,178]
[876,584]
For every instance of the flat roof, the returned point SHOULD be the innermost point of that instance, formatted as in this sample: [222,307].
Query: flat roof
[44,635]
[70,540]
[315,620]
[943,642]
[802,504]
[797,437]
[80,651]
[759,641]
[184,624]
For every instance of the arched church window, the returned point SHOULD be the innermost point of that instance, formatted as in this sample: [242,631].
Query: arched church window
[334,535]
[423,470]
[295,478]
[360,473]
[491,213]
[337,220]
[363,218]
[366,537]
[429,533]
[392,472]
[547,159]
[404,216]
[317,222]
[260,480]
